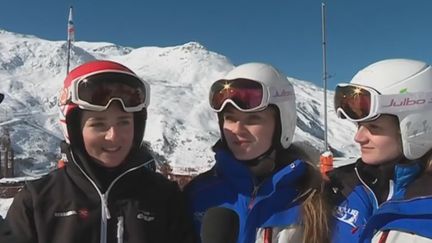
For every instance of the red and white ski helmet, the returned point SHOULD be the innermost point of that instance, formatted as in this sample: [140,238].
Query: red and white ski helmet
[88,70]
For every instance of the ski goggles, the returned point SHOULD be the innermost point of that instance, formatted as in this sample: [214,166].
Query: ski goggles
[360,103]
[96,92]
[244,94]
[1,97]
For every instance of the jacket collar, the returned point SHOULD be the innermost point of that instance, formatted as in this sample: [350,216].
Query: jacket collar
[379,177]
[239,175]
[79,161]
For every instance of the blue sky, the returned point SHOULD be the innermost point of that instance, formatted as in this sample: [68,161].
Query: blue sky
[285,33]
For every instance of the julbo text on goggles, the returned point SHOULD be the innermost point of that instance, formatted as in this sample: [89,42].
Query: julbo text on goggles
[360,103]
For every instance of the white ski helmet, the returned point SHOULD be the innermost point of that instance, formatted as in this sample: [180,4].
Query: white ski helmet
[395,76]
[280,93]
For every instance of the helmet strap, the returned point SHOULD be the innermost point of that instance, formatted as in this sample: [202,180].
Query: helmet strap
[262,165]
[257,160]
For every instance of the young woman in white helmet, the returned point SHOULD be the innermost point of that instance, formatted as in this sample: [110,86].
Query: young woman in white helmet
[386,196]
[259,174]
[106,192]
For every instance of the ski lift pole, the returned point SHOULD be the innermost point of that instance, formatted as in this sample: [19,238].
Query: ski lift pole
[324,54]
[68,57]
[70,38]
[326,158]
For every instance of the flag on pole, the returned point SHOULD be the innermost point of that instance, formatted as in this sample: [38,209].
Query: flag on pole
[70,38]
[71,28]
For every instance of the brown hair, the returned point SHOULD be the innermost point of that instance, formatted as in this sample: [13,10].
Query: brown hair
[315,207]
[316,210]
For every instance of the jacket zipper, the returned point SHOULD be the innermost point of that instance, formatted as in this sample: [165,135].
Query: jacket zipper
[120,229]
[105,214]
[253,197]
[369,189]
[268,232]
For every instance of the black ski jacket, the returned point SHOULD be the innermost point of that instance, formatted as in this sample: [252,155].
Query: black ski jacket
[78,204]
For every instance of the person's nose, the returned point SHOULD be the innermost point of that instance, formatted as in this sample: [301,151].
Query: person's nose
[361,135]
[238,127]
[111,133]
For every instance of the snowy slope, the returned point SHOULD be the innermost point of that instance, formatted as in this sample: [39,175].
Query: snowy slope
[181,127]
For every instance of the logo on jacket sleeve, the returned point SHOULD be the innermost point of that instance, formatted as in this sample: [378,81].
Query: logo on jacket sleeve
[83,213]
[346,215]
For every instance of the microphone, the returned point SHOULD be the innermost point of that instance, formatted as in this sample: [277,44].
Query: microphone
[220,225]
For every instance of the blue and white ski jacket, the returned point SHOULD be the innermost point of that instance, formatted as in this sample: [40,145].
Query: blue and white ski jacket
[352,204]
[384,208]
[269,205]
[407,215]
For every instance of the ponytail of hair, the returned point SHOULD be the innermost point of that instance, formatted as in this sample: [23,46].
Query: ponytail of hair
[316,210]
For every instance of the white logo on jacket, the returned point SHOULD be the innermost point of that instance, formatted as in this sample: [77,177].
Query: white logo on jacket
[65,214]
[346,215]
[146,216]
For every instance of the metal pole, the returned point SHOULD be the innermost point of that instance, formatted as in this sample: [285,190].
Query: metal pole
[70,37]
[323,14]
[68,57]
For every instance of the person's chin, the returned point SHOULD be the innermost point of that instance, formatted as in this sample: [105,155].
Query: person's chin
[370,160]
[243,156]
[111,163]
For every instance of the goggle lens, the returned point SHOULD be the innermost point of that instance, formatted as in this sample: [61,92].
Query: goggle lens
[246,94]
[354,101]
[100,89]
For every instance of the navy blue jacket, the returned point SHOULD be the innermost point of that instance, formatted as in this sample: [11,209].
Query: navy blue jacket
[268,203]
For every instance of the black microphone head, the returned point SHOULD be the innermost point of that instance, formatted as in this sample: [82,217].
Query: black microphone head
[220,225]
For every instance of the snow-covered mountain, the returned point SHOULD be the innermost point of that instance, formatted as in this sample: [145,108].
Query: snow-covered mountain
[181,128]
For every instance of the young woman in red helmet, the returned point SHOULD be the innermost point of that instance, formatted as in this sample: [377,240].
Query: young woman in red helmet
[259,174]
[107,192]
